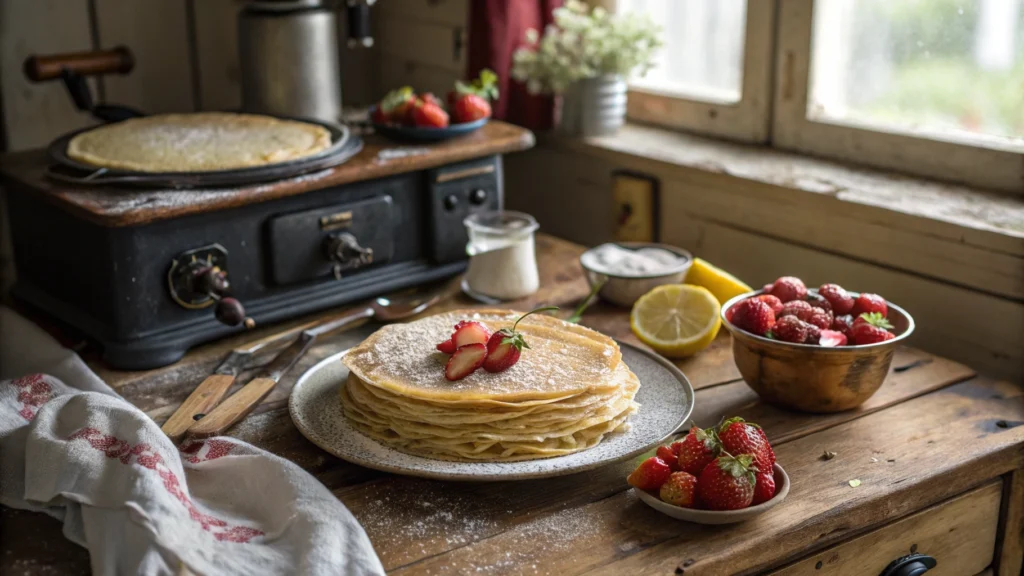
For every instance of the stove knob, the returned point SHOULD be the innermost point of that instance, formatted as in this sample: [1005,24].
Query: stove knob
[347,254]
[231,312]
[478,196]
[450,202]
[213,282]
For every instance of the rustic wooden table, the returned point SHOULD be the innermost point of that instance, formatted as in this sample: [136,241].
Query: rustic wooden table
[938,450]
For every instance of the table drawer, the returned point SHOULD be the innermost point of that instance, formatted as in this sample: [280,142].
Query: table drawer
[959,533]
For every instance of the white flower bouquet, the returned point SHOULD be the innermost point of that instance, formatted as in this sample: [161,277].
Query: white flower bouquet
[585,43]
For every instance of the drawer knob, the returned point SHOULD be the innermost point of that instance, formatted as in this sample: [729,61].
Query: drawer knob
[910,565]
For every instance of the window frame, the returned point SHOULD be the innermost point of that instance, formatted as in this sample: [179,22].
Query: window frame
[915,154]
[749,119]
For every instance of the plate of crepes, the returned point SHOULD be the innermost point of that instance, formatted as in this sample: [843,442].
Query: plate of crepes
[490,395]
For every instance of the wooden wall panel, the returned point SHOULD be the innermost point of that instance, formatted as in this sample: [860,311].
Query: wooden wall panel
[446,12]
[35,114]
[396,72]
[216,34]
[157,33]
[441,46]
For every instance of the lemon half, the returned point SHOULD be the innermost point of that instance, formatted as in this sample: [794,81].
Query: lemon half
[722,284]
[676,320]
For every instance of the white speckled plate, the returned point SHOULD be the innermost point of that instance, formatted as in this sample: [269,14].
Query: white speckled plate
[665,396]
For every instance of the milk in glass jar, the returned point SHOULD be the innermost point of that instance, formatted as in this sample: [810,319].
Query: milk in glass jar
[502,257]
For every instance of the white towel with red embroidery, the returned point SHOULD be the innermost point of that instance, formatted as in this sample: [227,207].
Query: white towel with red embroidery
[140,504]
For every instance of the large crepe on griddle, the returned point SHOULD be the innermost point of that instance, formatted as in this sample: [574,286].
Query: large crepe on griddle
[568,390]
[198,142]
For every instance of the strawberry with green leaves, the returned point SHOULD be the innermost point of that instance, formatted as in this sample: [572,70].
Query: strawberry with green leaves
[727,483]
[871,328]
[472,101]
[741,437]
[395,106]
[506,345]
[696,450]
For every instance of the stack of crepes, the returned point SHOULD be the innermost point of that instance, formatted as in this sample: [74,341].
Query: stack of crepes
[568,390]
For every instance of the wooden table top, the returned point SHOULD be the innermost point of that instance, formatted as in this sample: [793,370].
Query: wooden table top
[934,430]
[380,157]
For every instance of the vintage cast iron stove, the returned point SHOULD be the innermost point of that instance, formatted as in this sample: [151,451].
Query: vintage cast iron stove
[149,273]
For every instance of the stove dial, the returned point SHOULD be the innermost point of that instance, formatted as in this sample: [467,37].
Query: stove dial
[346,253]
[478,196]
[199,279]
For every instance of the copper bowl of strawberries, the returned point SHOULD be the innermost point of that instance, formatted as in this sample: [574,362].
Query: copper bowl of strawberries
[814,350]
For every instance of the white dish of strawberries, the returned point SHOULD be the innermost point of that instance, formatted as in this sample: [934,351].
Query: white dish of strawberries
[719,475]
[787,311]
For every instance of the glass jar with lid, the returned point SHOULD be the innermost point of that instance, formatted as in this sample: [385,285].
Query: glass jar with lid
[502,255]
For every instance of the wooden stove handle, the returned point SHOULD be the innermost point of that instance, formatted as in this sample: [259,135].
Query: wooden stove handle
[116,60]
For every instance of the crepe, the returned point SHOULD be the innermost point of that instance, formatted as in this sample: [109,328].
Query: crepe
[565,394]
[200,142]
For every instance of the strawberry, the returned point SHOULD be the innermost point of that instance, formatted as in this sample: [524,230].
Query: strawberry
[788,288]
[467,332]
[470,108]
[871,328]
[428,98]
[813,334]
[866,303]
[506,345]
[754,316]
[764,487]
[650,474]
[741,437]
[378,116]
[727,483]
[680,490]
[832,338]
[429,115]
[465,361]
[771,301]
[820,318]
[668,455]
[696,450]
[447,347]
[817,301]
[397,104]
[790,329]
[838,297]
[844,324]
[798,308]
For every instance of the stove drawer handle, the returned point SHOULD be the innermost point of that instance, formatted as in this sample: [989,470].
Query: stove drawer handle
[910,565]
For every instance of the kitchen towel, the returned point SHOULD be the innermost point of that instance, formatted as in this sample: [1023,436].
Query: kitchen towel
[73,449]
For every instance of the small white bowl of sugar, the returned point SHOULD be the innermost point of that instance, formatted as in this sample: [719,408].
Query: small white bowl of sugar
[632,269]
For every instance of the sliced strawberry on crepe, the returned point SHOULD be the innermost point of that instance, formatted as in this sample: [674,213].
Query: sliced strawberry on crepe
[466,332]
[465,361]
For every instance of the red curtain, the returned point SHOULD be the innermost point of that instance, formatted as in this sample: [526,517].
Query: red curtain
[496,29]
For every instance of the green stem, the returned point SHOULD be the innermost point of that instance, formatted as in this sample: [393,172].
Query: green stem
[578,314]
[534,311]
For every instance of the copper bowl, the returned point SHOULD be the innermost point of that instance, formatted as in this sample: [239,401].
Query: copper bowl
[811,378]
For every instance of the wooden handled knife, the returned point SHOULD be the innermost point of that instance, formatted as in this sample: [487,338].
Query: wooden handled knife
[210,392]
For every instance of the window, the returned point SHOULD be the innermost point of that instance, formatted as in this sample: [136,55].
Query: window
[714,73]
[931,87]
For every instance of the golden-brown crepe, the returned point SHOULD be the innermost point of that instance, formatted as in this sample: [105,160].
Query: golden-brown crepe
[566,392]
[199,142]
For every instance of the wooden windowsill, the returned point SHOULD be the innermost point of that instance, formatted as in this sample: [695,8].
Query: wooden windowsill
[970,216]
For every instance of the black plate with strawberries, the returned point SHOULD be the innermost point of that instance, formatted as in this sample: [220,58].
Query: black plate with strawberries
[405,115]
